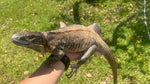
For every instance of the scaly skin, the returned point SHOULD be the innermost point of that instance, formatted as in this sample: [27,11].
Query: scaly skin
[74,38]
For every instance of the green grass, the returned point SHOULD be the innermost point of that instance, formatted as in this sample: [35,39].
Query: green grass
[122,27]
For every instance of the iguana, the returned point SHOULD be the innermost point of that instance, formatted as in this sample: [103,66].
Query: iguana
[73,39]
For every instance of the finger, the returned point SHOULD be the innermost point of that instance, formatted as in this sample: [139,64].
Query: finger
[62,24]
[74,56]
[90,26]
[98,53]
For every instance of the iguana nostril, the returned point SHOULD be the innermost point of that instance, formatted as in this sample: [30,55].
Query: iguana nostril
[14,37]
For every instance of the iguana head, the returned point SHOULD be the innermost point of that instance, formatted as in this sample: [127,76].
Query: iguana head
[33,40]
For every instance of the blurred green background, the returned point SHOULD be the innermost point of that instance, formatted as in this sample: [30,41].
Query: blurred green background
[122,25]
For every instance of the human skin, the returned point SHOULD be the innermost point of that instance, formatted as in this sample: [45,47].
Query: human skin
[46,75]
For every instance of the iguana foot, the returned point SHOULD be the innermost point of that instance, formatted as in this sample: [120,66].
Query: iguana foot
[74,68]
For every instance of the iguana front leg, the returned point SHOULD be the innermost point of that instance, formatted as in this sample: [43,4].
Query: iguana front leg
[58,54]
[82,60]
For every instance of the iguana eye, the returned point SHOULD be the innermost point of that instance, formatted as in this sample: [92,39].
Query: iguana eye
[35,39]
[23,38]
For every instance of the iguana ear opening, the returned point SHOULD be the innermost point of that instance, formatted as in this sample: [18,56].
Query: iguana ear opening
[42,49]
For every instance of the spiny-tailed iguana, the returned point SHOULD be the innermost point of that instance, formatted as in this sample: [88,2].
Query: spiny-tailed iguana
[73,38]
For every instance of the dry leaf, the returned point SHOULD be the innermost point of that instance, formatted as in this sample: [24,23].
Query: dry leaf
[5,51]
[102,57]
[106,20]
[89,75]
[91,14]
[71,10]
[116,20]
[96,9]
[24,30]
[26,72]
[36,59]
[31,5]
[41,56]
[104,82]
[118,60]
[12,82]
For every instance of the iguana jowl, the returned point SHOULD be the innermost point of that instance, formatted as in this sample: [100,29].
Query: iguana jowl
[73,38]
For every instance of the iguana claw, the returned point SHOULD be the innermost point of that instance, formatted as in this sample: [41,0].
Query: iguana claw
[74,68]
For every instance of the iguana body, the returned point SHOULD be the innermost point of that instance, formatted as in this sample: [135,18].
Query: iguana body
[74,38]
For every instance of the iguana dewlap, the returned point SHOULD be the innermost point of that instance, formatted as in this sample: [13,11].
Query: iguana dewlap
[73,38]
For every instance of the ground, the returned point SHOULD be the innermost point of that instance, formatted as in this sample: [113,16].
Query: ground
[122,26]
